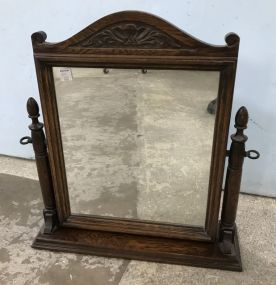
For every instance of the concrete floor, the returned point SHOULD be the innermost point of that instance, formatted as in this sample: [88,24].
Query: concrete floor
[21,217]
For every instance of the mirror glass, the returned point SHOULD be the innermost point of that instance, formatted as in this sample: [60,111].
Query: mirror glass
[137,143]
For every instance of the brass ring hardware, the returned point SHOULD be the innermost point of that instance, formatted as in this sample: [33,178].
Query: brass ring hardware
[248,154]
[26,140]
[255,153]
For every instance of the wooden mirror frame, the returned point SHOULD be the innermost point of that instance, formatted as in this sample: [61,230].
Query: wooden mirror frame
[145,42]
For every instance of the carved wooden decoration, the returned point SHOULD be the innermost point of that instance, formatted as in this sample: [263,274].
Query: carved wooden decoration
[135,33]
[133,39]
[126,35]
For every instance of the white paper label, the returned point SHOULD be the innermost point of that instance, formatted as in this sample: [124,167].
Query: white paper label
[65,74]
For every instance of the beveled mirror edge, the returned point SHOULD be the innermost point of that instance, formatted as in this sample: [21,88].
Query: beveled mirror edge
[204,57]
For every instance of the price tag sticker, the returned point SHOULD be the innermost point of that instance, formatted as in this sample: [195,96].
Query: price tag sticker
[65,74]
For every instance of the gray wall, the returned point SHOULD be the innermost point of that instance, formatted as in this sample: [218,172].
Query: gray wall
[255,22]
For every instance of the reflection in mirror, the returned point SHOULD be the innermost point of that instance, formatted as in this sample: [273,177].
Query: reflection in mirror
[137,143]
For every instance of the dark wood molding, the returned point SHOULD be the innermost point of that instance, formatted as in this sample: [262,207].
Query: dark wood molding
[133,39]
[156,249]
[141,227]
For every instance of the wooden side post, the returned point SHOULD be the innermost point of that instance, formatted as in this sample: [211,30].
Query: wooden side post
[233,182]
[42,164]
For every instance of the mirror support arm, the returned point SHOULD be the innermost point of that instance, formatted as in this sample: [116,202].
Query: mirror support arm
[236,154]
[43,168]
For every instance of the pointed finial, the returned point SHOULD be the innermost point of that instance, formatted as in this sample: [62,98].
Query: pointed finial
[33,111]
[241,118]
[32,108]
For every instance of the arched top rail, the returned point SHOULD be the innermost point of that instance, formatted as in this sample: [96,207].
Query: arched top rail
[134,32]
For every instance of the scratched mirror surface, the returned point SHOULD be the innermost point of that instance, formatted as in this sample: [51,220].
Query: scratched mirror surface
[137,143]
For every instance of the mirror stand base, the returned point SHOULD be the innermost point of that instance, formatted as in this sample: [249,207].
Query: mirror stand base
[51,221]
[156,249]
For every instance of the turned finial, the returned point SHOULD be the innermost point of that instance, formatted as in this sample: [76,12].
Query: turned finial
[241,118]
[33,111]
[32,108]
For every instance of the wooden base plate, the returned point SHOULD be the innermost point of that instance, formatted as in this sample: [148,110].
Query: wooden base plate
[165,250]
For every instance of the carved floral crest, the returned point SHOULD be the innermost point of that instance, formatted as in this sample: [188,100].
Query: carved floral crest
[130,35]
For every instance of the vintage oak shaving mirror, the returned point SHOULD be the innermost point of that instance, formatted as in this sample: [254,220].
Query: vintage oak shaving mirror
[136,115]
